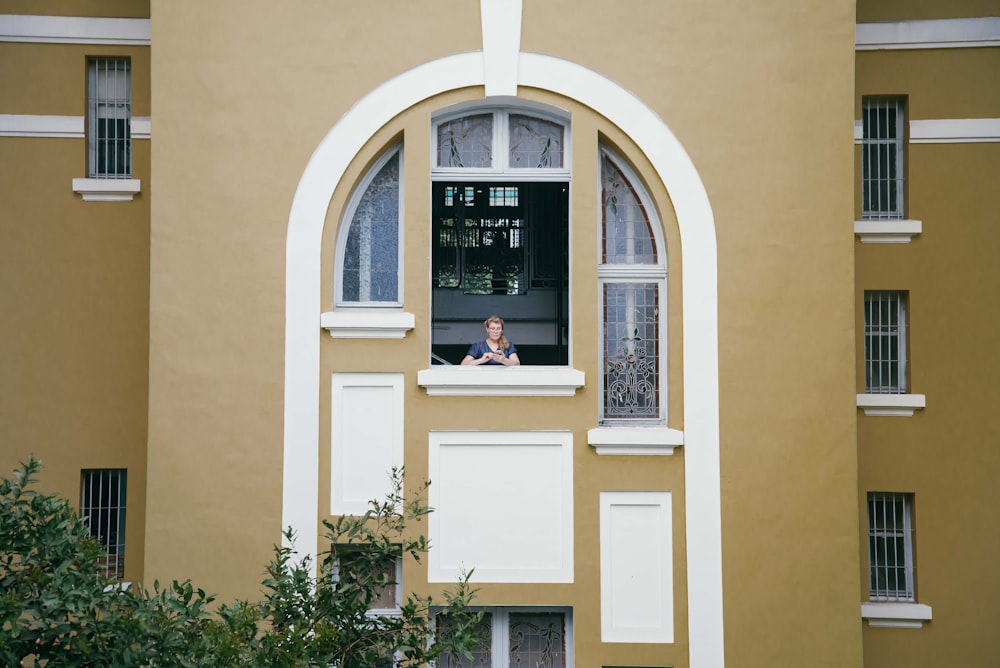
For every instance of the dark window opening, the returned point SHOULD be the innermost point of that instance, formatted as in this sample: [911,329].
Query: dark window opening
[501,248]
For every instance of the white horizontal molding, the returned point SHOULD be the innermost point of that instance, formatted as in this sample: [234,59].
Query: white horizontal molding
[955,131]
[367,323]
[635,440]
[74,30]
[946,131]
[933,34]
[35,125]
[106,190]
[896,405]
[887,231]
[523,381]
[896,615]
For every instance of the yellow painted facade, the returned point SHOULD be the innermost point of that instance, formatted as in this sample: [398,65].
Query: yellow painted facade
[160,335]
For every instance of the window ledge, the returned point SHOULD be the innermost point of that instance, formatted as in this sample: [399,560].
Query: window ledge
[887,231]
[899,405]
[635,440]
[518,381]
[106,190]
[896,615]
[367,324]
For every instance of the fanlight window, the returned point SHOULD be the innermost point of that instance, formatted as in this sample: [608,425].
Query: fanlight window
[370,265]
[500,140]
[633,289]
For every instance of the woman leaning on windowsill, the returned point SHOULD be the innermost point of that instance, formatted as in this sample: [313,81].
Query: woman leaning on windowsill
[495,349]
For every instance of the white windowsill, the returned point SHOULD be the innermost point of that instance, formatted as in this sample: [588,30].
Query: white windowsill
[899,405]
[106,190]
[635,440]
[887,231]
[511,381]
[367,324]
[896,615]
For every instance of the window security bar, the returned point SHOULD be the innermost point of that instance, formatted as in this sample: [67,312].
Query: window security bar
[890,547]
[885,342]
[109,117]
[882,171]
[102,508]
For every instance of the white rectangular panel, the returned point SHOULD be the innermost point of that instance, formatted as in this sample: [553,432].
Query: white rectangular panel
[366,438]
[503,505]
[636,567]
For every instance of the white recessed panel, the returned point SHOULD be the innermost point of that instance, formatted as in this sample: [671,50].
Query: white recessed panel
[367,438]
[637,590]
[503,505]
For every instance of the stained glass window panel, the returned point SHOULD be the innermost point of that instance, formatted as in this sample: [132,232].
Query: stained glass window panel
[631,351]
[627,236]
[535,143]
[537,640]
[466,142]
[371,258]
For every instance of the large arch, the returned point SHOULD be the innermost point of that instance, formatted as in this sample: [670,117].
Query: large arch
[500,66]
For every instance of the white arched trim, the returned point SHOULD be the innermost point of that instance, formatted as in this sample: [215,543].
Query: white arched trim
[700,303]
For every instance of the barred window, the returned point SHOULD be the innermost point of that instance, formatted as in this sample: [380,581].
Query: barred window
[102,507]
[890,546]
[882,169]
[885,342]
[516,637]
[109,118]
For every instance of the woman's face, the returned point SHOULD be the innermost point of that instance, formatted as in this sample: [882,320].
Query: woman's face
[494,330]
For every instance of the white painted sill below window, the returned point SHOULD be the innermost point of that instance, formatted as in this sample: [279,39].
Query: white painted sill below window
[887,231]
[896,615]
[511,381]
[367,324]
[635,440]
[106,190]
[896,405]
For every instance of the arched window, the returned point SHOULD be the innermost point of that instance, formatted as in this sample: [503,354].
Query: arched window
[369,253]
[632,277]
[500,229]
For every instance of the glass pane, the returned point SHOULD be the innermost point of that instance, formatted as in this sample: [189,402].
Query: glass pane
[466,142]
[537,640]
[371,258]
[627,235]
[631,350]
[535,143]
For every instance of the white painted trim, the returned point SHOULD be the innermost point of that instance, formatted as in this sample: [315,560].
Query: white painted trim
[74,30]
[501,25]
[700,304]
[896,615]
[511,381]
[530,482]
[367,324]
[946,131]
[107,190]
[30,125]
[352,439]
[933,34]
[635,440]
[955,131]
[72,127]
[637,575]
[887,231]
[897,405]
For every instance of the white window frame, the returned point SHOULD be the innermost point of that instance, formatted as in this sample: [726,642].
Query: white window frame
[898,384]
[500,168]
[500,630]
[873,140]
[393,152]
[634,273]
[396,609]
[97,110]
